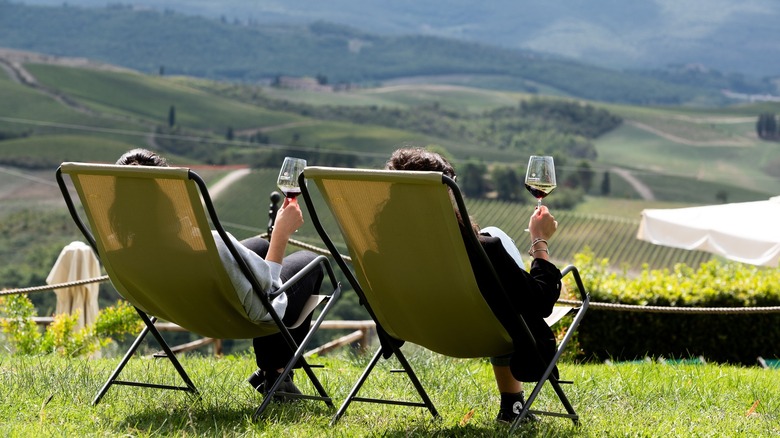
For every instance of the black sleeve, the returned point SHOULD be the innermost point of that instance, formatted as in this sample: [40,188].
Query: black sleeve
[532,294]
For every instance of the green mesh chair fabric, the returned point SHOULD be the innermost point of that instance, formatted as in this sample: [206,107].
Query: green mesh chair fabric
[410,259]
[157,248]
[411,269]
[150,229]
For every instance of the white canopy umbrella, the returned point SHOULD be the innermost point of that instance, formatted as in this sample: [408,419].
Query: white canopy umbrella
[747,232]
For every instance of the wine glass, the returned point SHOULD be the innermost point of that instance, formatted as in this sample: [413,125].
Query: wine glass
[288,176]
[540,177]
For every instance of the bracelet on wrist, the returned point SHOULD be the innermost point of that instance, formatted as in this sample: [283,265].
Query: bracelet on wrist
[532,251]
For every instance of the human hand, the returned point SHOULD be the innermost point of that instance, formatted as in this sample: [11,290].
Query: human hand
[542,224]
[289,218]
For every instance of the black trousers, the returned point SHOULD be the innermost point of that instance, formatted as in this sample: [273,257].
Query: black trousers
[272,352]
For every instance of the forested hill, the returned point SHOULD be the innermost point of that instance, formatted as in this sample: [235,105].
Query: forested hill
[172,43]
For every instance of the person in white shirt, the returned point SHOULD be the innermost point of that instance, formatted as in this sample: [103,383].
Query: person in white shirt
[271,268]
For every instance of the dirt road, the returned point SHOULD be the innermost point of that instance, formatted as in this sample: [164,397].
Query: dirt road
[640,187]
[225,182]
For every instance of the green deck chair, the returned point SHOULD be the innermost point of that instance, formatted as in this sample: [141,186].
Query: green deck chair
[150,231]
[412,272]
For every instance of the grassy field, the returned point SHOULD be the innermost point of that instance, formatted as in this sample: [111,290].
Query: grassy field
[634,147]
[46,396]
[460,98]
[686,156]
[55,149]
[151,97]
[699,145]
[705,145]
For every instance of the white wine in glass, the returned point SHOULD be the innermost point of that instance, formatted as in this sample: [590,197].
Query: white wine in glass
[540,177]
[288,176]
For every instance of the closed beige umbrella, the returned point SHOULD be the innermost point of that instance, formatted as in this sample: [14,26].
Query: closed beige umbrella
[76,262]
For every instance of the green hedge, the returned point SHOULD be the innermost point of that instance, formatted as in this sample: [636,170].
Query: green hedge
[721,337]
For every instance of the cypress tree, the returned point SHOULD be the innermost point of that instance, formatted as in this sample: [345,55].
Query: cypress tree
[605,184]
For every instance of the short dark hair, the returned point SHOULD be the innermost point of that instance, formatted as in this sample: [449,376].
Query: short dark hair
[419,159]
[141,157]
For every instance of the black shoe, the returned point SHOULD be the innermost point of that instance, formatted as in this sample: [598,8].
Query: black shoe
[508,414]
[257,380]
[509,417]
[285,388]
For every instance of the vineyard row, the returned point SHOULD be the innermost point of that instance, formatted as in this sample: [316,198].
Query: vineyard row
[607,237]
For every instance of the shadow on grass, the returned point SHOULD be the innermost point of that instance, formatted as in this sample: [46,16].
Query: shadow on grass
[473,430]
[199,419]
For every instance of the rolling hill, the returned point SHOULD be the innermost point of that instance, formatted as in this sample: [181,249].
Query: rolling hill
[733,37]
[172,43]
[715,148]
[684,156]
[59,109]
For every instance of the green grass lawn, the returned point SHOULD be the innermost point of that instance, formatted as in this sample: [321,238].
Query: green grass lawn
[45,396]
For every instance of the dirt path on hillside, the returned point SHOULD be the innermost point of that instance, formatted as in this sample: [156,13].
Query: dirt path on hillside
[226,181]
[644,191]
[10,70]
[12,62]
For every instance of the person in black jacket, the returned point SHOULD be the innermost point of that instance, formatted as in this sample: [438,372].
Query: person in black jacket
[531,294]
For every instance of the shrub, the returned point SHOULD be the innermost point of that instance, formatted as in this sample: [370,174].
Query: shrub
[61,337]
[719,336]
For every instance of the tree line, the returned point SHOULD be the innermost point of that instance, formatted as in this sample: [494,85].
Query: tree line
[258,52]
[561,128]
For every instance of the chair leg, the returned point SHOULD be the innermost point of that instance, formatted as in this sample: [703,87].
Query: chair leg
[357,387]
[426,401]
[416,382]
[149,328]
[170,354]
[121,365]
[547,376]
[565,401]
[298,357]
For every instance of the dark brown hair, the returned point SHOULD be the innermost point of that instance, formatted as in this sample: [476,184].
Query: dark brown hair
[141,157]
[419,159]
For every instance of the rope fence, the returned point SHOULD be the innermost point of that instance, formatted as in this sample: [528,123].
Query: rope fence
[670,309]
[53,286]
[593,305]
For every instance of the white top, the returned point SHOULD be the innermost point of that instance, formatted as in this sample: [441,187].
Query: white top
[507,242]
[267,274]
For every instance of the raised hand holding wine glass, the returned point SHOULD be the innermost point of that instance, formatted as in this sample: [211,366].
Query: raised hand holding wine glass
[288,176]
[540,177]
